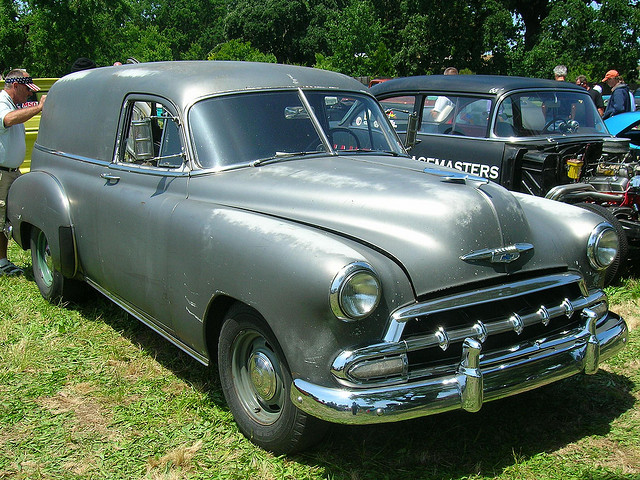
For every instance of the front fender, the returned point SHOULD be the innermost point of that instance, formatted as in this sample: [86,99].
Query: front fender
[283,270]
[36,199]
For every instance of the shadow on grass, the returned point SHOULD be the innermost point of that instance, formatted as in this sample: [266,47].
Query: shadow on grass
[450,445]
[460,444]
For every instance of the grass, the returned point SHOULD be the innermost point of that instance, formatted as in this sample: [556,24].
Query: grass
[88,392]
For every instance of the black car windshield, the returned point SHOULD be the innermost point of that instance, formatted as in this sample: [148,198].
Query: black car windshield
[541,114]
[249,128]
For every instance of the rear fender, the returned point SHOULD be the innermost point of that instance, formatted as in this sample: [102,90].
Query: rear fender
[49,213]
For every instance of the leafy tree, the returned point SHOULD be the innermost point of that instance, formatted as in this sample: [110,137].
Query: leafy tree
[12,37]
[59,32]
[356,41]
[438,34]
[190,28]
[589,39]
[532,13]
[315,39]
[272,26]
[239,50]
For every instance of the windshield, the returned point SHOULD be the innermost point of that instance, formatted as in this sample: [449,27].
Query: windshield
[246,128]
[533,114]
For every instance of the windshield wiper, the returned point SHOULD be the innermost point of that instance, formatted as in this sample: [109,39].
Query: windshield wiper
[282,155]
[367,150]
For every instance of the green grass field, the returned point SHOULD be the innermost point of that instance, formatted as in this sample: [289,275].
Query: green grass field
[87,392]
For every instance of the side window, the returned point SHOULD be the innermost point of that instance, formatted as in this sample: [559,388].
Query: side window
[472,118]
[398,110]
[456,115]
[152,136]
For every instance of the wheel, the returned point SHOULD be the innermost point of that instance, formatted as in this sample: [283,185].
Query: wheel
[256,383]
[616,269]
[53,286]
[344,130]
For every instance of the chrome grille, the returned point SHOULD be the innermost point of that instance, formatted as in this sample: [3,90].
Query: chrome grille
[497,320]
[503,318]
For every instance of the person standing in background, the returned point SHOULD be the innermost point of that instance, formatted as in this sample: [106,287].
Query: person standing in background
[620,100]
[18,87]
[560,73]
[595,95]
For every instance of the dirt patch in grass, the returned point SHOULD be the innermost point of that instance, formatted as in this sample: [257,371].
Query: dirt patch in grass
[89,416]
[629,311]
[604,453]
[178,458]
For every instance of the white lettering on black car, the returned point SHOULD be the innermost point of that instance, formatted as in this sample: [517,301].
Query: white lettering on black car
[492,172]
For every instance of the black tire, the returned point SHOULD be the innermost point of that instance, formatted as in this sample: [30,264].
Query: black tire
[256,382]
[53,286]
[617,268]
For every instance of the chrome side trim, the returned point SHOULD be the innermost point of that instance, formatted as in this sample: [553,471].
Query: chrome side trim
[476,380]
[150,322]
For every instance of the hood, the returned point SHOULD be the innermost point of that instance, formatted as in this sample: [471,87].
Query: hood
[622,122]
[424,219]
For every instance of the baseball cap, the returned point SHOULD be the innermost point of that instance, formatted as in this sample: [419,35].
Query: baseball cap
[28,81]
[610,74]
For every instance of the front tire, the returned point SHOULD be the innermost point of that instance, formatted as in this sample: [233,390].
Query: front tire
[53,286]
[256,382]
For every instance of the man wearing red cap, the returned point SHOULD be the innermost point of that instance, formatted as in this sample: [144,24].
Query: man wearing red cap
[620,101]
[18,86]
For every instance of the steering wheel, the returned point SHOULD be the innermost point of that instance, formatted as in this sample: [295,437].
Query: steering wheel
[557,123]
[343,130]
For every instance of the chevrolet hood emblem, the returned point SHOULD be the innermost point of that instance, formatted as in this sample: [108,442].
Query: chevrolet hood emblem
[506,254]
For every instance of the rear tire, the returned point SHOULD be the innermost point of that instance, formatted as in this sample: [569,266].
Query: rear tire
[617,268]
[256,382]
[53,286]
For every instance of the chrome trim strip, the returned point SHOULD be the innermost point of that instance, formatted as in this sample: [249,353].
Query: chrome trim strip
[149,322]
[527,367]
[475,297]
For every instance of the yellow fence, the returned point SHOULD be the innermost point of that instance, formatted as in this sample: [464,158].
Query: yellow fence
[31,127]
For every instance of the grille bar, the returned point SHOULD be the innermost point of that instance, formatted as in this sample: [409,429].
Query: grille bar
[514,323]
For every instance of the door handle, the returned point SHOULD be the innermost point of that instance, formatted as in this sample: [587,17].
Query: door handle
[109,178]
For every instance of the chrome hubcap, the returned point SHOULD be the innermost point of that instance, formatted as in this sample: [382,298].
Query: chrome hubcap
[263,375]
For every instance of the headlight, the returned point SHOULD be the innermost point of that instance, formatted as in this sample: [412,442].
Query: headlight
[602,247]
[355,292]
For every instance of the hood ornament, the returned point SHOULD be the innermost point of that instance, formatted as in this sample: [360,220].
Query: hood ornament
[506,254]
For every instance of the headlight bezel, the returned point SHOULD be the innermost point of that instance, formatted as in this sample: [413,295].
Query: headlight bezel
[602,232]
[360,272]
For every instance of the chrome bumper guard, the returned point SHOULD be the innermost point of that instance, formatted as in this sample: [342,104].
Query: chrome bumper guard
[476,380]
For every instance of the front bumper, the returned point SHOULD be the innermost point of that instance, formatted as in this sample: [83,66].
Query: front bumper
[477,379]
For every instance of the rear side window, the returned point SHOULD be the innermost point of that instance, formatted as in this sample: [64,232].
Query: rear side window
[456,115]
[152,136]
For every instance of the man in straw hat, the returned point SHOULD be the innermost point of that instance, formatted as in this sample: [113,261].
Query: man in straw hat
[18,87]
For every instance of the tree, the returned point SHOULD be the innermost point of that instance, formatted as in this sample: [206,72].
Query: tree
[532,13]
[272,26]
[59,32]
[439,34]
[239,50]
[590,39]
[356,41]
[190,28]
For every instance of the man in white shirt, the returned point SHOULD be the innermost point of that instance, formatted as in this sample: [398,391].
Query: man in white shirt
[18,86]
[443,106]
